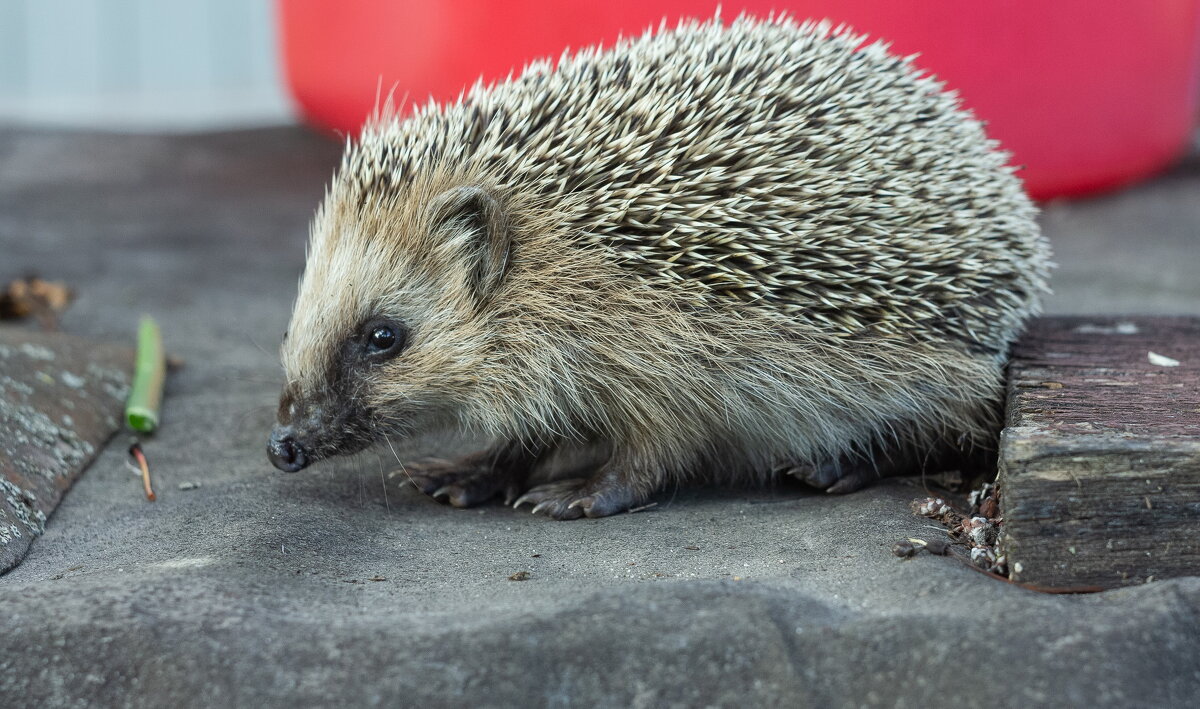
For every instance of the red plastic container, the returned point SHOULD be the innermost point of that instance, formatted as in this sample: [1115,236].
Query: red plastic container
[1087,94]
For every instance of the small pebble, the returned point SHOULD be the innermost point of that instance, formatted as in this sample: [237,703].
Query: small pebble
[984,558]
[937,546]
[189,485]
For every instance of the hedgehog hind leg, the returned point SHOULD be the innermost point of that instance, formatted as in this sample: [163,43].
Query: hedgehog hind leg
[855,470]
[851,472]
[474,478]
[840,475]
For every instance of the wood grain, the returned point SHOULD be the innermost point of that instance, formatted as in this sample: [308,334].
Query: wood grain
[1100,457]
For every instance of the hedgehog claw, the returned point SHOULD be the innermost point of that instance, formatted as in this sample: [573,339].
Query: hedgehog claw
[851,482]
[554,499]
[511,494]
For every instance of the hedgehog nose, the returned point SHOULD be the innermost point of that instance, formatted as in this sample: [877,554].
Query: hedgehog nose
[284,451]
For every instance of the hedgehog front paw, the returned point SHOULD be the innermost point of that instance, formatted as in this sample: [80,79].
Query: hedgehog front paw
[577,497]
[461,482]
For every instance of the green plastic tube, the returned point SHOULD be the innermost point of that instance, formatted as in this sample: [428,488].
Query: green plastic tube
[145,397]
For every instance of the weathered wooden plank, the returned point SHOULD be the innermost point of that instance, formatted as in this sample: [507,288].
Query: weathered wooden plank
[61,398]
[1100,456]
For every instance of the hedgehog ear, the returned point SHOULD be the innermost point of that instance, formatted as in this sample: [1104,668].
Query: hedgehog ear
[474,223]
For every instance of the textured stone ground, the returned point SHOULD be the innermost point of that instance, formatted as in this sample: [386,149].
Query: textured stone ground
[61,398]
[337,585]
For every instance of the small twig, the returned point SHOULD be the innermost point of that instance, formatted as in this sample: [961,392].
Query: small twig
[135,450]
[643,508]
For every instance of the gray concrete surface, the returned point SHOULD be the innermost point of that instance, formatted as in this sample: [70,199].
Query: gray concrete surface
[337,586]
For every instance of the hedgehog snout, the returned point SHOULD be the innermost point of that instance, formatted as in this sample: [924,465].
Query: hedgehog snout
[288,446]
[285,451]
[312,426]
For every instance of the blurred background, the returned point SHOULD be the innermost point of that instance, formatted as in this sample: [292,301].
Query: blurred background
[141,65]
[1089,95]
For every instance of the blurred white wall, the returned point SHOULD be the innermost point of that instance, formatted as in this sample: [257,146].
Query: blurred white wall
[140,64]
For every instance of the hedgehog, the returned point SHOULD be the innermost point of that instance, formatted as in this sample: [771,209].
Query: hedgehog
[712,252]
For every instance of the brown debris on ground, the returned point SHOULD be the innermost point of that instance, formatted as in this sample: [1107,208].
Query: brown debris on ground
[972,535]
[33,297]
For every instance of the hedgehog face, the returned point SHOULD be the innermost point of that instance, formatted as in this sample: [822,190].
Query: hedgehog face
[389,326]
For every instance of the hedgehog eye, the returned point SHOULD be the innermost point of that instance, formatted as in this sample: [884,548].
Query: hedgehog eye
[384,338]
